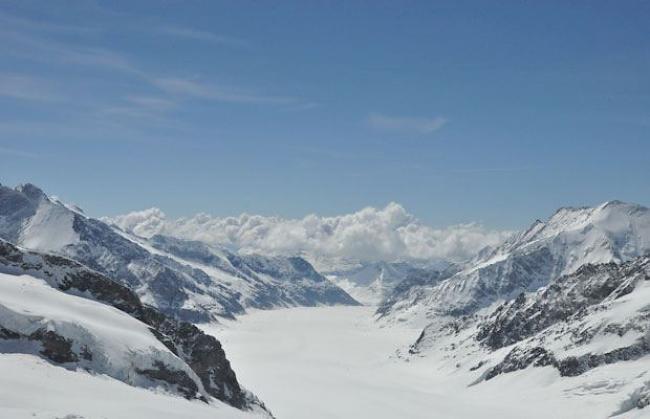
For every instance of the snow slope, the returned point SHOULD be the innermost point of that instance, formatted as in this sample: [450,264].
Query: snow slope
[336,362]
[591,323]
[115,343]
[32,388]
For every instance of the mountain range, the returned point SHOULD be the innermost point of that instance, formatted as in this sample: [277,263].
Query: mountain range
[189,280]
[572,237]
[570,294]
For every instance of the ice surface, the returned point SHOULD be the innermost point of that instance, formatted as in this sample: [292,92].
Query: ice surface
[324,363]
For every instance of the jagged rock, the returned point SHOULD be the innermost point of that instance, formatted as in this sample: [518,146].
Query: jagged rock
[518,359]
[562,300]
[55,347]
[180,379]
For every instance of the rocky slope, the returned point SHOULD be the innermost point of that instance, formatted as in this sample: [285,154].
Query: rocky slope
[77,318]
[597,316]
[187,280]
[572,237]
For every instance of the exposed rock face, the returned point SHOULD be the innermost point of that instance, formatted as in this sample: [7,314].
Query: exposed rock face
[573,366]
[202,353]
[518,359]
[563,300]
[596,316]
[188,280]
[55,347]
[183,382]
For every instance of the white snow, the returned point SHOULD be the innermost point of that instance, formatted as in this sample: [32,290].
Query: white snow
[119,343]
[31,388]
[50,229]
[336,362]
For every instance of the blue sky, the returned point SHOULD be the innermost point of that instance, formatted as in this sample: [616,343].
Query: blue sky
[496,112]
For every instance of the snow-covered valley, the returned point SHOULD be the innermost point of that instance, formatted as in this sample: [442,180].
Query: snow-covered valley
[552,322]
[337,362]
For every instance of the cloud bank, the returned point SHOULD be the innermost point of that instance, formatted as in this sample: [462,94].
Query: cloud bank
[371,234]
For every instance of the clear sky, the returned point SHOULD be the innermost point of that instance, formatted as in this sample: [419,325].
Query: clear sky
[497,112]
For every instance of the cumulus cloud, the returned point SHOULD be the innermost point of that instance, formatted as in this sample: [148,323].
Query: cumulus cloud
[371,234]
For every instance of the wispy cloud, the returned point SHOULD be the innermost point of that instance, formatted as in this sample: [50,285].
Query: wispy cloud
[200,35]
[17,153]
[109,95]
[406,123]
[8,20]
[211,91]
[22,87]
[141,107]
[152,102]
[37,48]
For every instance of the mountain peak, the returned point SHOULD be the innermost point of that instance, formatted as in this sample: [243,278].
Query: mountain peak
[30,190]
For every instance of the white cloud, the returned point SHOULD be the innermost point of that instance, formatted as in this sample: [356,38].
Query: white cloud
[371,234]
[26,39]
[199,35]
[211,91]
[151,103]
[406,124]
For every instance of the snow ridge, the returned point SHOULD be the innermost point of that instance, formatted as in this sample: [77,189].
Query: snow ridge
[611,232]
[189,280]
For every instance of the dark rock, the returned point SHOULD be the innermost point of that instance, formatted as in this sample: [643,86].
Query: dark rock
[180,379]
[55,347]
[518,359]
[564,298]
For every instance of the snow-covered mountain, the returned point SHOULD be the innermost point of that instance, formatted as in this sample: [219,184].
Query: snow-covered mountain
[593,318]
[261,282]
[76,318]
[189,280]
[611,232]
[371,283]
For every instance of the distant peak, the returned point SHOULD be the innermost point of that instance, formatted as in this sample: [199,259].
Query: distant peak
[569,209]
[31,191]
[617,205]
[614,202]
